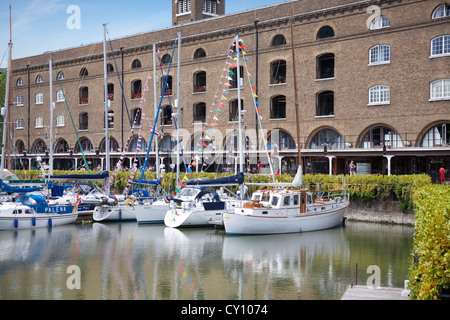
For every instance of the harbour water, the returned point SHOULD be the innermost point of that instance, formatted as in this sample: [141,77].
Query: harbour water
[127,261]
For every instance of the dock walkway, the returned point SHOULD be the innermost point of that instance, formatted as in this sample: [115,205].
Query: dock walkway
[367,293]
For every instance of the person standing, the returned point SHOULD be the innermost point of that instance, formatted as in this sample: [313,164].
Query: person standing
[352,167]
[442,172]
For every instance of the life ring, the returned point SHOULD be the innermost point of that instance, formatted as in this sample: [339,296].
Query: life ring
[129,202]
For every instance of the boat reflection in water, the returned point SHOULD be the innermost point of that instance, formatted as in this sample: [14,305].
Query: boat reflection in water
[130,261]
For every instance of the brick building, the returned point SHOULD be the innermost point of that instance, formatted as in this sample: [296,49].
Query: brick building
[373,86]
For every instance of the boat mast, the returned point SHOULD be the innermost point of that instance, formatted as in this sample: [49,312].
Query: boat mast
[297,114]
[158,174]
[178,106]
[241,145]
[107,143]
[50,161]
[6,108]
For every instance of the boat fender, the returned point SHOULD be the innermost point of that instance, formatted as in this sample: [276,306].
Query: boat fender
[75,207]
[50,222]
[129,202]
[33,221]
[16,223]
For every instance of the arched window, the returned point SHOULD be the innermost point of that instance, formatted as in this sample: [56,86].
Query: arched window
[136,64]
[379,23]
[136,89]
[325,66]
[19,100]
[38,146]
[39,122]
[61,75]
[199,53]
[278,107]
[278,72]
[325,104]
[39,98]
[59,95]
[440,46]
[382,136]
[20,146]
[39,79]
[168,90]
[84,72]
[84,95]
[280,139]
[278,40]
[200,112]
[441,11]
[86,144]
[19,82]
[200,81]
[437,136]
[325,32]
[136,115]
[440,90]
[113,145]
[379,95]
[166,119]
[60,120]
[19,123]
[83,121]
[166,58]
[329,138]
[109,68]
[62,146]
[234,115]
[379,54]
[168,144]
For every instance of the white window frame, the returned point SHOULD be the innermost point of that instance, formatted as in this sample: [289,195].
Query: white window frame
[39,122]
[19,82]
[19,100]
[445,46]
[210,7]
[440,90]
[441,11]
[19,123]
[61,75]
[380,22]
[60,96]
[39,98]
[60,120]
[379,95]
[184,7]
[39,79]
[379,52]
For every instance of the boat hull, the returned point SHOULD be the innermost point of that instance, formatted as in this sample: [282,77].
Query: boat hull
[256,224]
[193,218]
[114,213]
[153,213]
[37,221]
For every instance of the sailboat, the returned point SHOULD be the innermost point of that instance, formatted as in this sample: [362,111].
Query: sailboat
[286,208]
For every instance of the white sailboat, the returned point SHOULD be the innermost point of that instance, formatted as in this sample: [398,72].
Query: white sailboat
[285,210]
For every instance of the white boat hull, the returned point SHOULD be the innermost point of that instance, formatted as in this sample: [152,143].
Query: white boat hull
[257,224]
[200,218]
[114,213]
[153,213]
[38,220]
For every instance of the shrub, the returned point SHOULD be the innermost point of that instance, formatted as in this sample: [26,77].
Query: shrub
[430,265]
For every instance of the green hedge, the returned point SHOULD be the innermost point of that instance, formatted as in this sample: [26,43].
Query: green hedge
[430,265]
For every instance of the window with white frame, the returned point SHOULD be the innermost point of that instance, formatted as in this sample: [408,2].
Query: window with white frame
[39,122]
[379,95]
[379,54]
[441,11]
[440,90]
[19,100]
[209,6]
[61,75]
[39,98]
[440,46]
[184,6]
[60,120]
[19,123]
[379,23]
[59,95]
[39,79]
[19,82]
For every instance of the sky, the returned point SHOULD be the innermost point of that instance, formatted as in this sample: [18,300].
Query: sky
[48,25]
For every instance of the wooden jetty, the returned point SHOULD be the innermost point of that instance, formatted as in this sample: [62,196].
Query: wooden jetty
[369,293]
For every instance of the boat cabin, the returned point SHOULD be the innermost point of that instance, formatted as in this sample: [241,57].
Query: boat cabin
[280,199]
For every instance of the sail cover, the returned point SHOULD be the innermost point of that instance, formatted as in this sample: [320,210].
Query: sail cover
[232,180]
[79,177]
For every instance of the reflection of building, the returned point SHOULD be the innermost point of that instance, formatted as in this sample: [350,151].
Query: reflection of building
[374,85]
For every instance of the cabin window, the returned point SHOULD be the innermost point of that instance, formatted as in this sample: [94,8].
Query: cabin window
[274,201]
[265,212]
[256,197]
[287,201]
[295,199]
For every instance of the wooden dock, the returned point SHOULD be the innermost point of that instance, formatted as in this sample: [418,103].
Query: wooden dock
[367,293]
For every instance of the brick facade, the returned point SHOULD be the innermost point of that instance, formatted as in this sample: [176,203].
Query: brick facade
[408,74]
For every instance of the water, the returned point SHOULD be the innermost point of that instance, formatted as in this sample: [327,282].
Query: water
[128,261]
